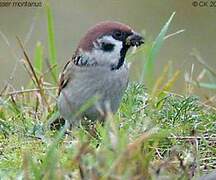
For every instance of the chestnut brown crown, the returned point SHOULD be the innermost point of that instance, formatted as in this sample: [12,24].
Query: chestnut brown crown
[100,29]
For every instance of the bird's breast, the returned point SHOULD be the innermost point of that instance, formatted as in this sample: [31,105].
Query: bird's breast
[106,85]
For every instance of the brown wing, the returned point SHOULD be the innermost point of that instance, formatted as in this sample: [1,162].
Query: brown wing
[69,69]
[66,75]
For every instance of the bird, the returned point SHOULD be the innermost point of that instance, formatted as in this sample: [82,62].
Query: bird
[96,76]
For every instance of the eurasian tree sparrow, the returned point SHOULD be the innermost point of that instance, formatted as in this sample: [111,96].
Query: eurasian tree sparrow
[97,69]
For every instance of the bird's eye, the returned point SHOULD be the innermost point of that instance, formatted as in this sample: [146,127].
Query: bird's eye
[118,35]
[107,47]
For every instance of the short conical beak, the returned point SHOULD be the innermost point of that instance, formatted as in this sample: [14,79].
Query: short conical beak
[134,40]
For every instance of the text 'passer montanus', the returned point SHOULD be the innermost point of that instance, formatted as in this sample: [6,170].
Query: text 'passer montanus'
[98,69]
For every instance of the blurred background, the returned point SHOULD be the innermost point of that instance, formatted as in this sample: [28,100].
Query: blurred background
[73,17]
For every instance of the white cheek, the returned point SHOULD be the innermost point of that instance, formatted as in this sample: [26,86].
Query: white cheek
[111,57]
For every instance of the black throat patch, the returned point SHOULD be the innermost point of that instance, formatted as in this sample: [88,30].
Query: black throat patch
[123,53]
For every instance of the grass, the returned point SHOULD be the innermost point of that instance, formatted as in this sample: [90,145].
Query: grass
[148,137]
[155,134]
[51,41]
[148,70]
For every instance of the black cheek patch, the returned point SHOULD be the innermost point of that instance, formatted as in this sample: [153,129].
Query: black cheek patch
[107,47]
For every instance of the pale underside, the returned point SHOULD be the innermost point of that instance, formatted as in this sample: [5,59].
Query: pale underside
[93,89]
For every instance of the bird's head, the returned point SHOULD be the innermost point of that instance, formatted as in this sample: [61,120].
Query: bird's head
[107,43]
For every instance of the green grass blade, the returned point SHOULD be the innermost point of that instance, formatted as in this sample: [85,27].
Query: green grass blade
[51,39]
[38,58]
[148,70]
